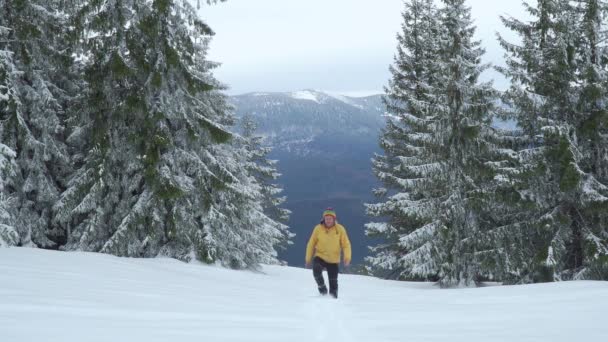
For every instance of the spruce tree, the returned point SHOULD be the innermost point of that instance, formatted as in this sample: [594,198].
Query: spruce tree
[408,166]
[592,131]
[438,151]
[265,173]
[470,149]
[556,77]
[146,170]
[239,231]
[35,60]
[8,101]
[8,232]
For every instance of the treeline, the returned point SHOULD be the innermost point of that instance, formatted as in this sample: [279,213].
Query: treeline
[115,137]
[463,201]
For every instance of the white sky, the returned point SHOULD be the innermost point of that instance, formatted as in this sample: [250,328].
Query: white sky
[342,46]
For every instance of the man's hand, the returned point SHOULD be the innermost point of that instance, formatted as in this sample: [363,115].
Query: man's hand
[346,263]
[308,264]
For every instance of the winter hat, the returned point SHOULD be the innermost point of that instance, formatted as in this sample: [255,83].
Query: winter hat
[330,212]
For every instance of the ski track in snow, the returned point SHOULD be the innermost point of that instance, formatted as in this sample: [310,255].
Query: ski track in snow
[88,297]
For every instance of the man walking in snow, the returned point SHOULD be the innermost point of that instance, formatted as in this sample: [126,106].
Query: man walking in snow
[328,239]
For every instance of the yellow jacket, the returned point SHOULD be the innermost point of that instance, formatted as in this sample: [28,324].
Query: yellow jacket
[326,243]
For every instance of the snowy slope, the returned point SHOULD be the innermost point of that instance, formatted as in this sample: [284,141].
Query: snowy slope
[55,296]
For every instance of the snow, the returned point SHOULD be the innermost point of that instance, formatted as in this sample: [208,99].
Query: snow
[356,94]
[391,116]
[319,96]
[305,95]
[5,151]
[61,296]
[345,99]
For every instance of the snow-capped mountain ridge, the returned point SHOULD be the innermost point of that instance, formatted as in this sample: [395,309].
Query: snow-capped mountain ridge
[323,97]
[318,96]
[294,121]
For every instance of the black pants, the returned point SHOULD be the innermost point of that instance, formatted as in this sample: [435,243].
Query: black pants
[318,265]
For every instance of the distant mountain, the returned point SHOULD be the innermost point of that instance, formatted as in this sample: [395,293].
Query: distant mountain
[303,122]
[324,144]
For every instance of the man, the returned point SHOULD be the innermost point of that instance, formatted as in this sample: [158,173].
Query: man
[327,240]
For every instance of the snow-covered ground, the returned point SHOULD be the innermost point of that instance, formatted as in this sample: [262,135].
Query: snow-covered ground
[86,297]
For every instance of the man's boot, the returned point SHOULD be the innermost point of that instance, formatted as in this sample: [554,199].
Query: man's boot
[323,290]
[333,287]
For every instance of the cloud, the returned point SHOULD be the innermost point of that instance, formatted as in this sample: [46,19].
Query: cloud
[279,45]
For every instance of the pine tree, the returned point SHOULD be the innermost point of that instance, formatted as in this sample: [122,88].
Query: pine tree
[239,231]
[35,62]
[592,131]
[146,169]
[8,100]
[439,150]
[8,232]
[556,76]
[471,147]
[408,166]
[265,173]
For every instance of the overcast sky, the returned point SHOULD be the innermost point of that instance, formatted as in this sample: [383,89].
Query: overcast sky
[342,46]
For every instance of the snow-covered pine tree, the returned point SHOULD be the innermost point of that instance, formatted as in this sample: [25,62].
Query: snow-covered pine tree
[266,174]
[592,131]
[514,232]
[469,147]
[8,232]
[147,173]
[8,100]
[239,231]
[555,96]
[409,169]
[234,229]
[35,62]
[439,150]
